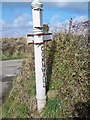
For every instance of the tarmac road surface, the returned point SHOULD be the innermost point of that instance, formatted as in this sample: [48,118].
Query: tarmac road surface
[8,71]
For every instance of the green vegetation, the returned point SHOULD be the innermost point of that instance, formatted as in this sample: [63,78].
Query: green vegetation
[3,57]
[14,48]
[53,109]
[67,73]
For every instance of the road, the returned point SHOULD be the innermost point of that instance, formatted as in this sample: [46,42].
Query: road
[10,67]
[8,70]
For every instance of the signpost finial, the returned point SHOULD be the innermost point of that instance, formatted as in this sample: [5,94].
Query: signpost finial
[36,1]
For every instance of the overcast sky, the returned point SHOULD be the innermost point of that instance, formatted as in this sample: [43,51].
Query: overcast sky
[16,18]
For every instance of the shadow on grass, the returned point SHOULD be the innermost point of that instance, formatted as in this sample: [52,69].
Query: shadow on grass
[50,60]
[82,110]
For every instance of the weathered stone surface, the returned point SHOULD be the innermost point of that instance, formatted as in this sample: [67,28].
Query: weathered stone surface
[52,94]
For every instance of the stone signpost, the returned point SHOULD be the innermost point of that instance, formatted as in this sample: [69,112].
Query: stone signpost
[38,38]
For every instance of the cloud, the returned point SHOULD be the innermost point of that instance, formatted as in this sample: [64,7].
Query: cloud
[22,21]
[77,7]
[15,32]
[76,20]
[64,25]
[46,0]
[3,24]
[60,26]
[16,0]
[20,26]
[79,19]
[54,19]
[29,24]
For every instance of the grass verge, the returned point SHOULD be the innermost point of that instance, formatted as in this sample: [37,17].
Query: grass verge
[67,71]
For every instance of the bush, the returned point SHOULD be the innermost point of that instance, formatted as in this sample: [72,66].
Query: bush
[67,71]
[14,48]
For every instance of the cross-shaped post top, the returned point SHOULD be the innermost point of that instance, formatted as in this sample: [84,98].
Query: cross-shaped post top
[38,36]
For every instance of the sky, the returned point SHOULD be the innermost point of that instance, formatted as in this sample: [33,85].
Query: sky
[16,17]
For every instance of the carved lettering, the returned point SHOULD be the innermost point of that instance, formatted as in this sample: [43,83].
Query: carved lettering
[43,67]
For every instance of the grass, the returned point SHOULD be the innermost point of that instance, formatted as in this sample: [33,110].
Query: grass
[67,71]
[3,58]
[53,109]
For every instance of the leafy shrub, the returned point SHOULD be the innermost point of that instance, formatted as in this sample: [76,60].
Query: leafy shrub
[14,48]
[67,70]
